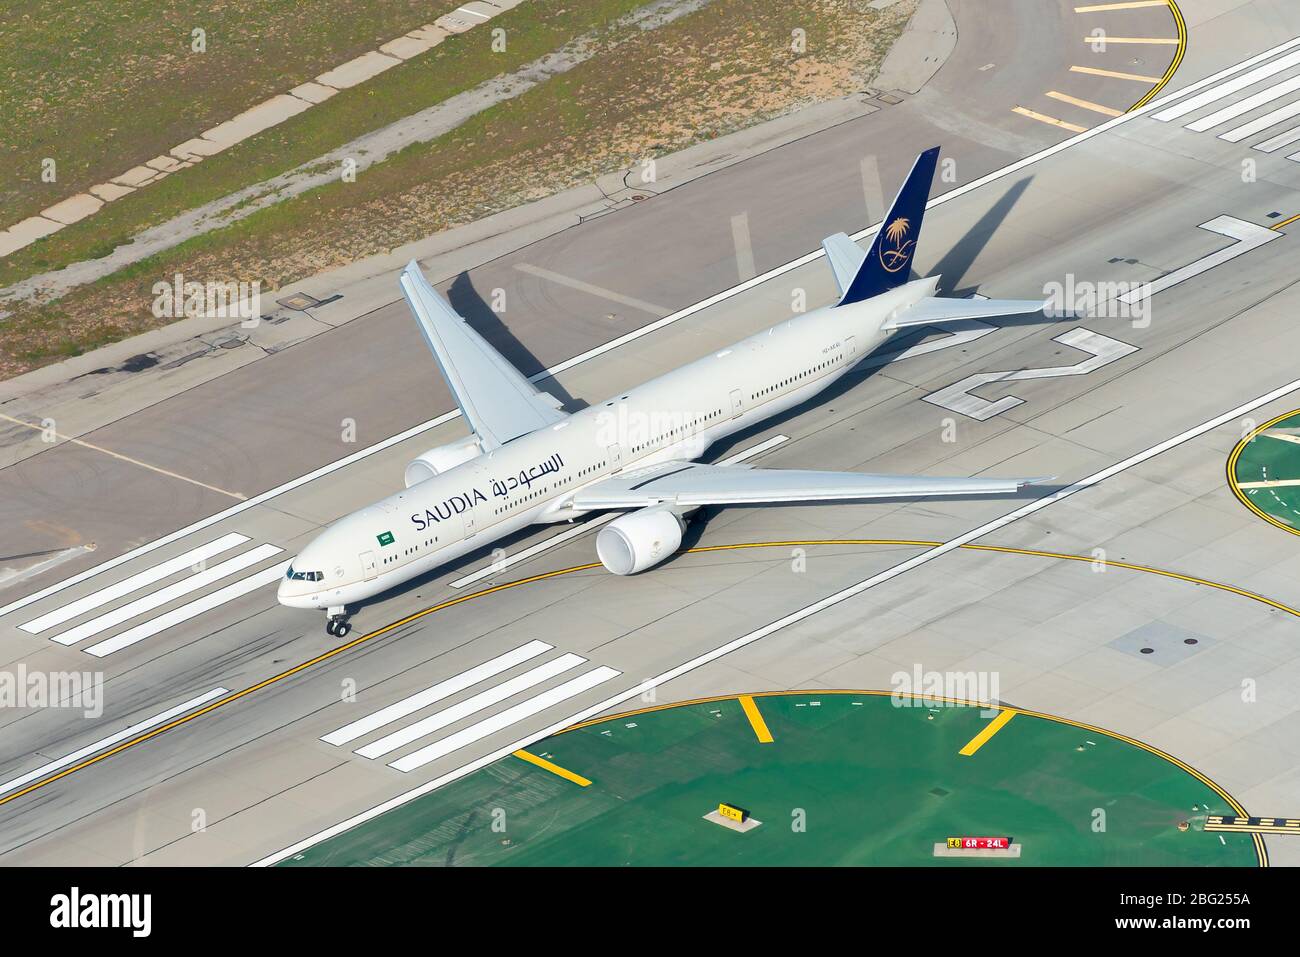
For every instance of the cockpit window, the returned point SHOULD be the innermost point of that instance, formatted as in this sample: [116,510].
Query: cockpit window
[304,576]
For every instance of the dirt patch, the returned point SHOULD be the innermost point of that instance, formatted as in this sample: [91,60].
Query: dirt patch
[727,66]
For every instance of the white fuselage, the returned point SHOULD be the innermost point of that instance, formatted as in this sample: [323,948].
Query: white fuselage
[530,480]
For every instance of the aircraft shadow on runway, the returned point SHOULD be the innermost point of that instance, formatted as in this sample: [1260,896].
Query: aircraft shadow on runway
[956,262]
[465,299]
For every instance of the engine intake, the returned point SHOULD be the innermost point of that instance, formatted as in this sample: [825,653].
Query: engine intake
[439,460]
[639,540]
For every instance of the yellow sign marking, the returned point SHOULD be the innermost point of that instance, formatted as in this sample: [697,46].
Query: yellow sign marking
[756,719]
[124,458]
[992,728]
[1130,5]
[545,765]
[1085,104]
[1053,121]
[1136,77]
[1285,222]
[731,812]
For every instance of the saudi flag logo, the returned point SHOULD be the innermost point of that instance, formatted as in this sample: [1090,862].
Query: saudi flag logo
[385,538]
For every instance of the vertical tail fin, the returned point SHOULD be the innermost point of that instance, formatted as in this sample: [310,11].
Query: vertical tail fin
[889,261]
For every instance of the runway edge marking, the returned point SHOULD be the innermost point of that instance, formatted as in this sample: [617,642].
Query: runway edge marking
[636,334]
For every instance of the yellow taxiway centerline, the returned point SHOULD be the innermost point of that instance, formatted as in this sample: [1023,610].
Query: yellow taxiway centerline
[992,728]
[755,719]
[545,765]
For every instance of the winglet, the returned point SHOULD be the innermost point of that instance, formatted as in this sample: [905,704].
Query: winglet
[889,261]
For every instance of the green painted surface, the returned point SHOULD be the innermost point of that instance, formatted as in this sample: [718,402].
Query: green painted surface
[874,783]
[1268,458]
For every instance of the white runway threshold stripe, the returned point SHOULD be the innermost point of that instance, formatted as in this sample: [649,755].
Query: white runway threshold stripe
[1267,121]
[1279,141]
[1245,106]
[164,595]
[504,719]
[116,738]
[463,709]
[1193,103]
[435,693]
[128,585]
[649,328]
[612,702]
[185,612]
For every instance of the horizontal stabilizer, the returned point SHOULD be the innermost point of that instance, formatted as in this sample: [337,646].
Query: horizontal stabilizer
[686,484]
[931,310]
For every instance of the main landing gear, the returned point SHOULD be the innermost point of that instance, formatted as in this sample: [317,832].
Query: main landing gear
[336,623]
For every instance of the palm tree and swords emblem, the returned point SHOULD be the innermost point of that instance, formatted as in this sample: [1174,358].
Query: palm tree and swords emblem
[900,254]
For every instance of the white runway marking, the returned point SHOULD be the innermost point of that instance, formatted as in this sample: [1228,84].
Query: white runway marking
[430,695]
[598,291]
[504,719]
[134,583]
[1279,141]
[1191,104]
[1280,115]
[1245,106]
[745,267]
[958,397]
[164,595]
[186,612]
[1248,236]
[463,709]
[647,329]
[111,740]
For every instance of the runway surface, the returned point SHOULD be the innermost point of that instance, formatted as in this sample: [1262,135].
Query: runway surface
[294,732]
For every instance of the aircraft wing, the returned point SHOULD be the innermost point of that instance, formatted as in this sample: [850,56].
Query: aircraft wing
[691,484]
[932,310]
[497,400]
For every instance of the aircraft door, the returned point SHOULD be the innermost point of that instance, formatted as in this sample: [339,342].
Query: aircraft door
[469,523]
[368,565]
[615,452]
[850,347]
[737,403]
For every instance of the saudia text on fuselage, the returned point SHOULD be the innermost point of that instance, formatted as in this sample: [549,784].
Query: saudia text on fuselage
[501,488]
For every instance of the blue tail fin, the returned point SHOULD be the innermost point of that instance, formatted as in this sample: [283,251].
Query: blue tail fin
[889,261]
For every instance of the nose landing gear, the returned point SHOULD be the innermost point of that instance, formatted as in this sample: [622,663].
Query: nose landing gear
[336,622]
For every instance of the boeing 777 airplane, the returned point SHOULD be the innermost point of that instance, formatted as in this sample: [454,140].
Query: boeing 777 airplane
[527,461]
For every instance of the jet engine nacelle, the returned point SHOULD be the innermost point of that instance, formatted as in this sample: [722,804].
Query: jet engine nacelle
[439,460]
[640,540]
